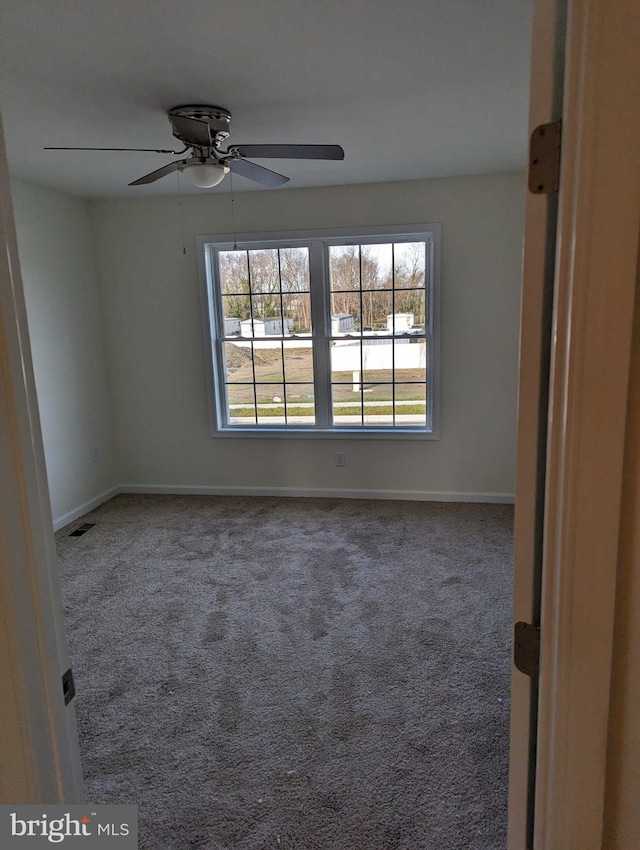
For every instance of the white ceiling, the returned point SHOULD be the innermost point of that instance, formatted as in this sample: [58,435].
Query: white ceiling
[410,89]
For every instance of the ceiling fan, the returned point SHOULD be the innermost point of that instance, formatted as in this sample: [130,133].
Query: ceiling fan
[203,129]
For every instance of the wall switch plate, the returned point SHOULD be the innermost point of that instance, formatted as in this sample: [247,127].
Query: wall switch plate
[94,454]
[340,459]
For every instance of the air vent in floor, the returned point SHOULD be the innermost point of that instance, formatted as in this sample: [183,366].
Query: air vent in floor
[82,529]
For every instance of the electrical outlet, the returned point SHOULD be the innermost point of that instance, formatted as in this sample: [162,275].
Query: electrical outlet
[94,454]
[340,459]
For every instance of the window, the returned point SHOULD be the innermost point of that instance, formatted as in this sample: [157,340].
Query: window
[316,334]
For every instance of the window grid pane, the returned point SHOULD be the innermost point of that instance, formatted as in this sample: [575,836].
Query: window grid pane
[233,272]
[298,362]
[301,403]
[242,406]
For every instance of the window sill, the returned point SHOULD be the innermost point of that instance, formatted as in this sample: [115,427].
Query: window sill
[326,433]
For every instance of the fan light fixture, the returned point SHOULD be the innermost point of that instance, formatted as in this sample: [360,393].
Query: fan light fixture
[204,175]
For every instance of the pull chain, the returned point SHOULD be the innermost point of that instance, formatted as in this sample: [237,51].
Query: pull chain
[184,249]
[233,213]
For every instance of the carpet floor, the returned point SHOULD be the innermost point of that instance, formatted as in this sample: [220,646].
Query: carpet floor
[294,674]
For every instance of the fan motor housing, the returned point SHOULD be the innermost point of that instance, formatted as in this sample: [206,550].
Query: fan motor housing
[217,117]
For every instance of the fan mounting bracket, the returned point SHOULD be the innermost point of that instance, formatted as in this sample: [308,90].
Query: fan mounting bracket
[217,117]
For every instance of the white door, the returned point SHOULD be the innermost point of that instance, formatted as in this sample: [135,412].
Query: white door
[546,101]
[40,760]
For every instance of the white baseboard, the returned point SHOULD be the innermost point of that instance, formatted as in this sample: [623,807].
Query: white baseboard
[300,492]
[319,492]
[76,513]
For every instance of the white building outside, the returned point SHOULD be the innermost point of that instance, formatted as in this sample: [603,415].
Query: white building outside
[403,322]
[231,325]
[272,326]
[342,323]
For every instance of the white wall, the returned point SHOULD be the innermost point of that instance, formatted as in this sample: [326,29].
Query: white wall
[68,345]
[151,294]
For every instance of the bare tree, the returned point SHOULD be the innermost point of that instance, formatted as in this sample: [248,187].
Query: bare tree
[265,283]
[409,265]
[234,282]
[294,275]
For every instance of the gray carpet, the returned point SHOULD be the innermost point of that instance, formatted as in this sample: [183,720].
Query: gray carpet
[294,674]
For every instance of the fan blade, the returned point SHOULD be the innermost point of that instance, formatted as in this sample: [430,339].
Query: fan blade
[261,175]
[142,150]
[192,131]
[156,175]
[290,151]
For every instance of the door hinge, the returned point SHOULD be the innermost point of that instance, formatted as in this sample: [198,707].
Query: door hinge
[68,686]
[544,158]
[526,649]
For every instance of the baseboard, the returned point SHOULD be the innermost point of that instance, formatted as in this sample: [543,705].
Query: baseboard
[319,492]
[300,492]
[76,513]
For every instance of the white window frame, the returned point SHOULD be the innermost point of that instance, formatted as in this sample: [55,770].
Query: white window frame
[318,242]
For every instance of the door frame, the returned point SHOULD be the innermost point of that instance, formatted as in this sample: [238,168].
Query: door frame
[596,255]
[596,283]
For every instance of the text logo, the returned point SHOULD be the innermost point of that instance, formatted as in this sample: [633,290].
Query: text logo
[89,826]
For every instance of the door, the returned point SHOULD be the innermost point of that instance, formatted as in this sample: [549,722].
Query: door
[546,97]
[40,758]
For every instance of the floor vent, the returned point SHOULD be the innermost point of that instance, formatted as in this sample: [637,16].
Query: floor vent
[82,529]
